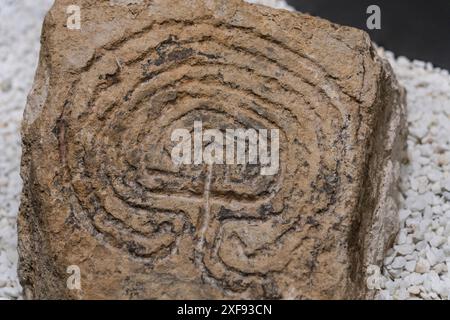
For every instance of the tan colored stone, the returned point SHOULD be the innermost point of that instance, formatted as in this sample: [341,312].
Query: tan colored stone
[101,192]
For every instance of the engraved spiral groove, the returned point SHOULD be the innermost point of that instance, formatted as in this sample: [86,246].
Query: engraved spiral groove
[128,191]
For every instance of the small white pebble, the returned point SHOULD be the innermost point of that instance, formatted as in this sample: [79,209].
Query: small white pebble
[422,266]
[410,266]
[414,290]
[399,262]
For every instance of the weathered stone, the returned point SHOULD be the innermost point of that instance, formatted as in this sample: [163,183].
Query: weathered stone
[101,191]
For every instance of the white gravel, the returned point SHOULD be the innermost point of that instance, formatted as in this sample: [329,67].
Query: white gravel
[279,4]
[417,267]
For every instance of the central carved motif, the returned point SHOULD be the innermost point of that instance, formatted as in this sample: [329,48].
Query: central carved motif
[240,224]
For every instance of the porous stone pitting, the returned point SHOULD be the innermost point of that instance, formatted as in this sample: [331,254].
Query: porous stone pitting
[102,193]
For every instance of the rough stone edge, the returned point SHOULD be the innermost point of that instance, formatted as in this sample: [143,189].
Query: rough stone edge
[29,268]
[388,150]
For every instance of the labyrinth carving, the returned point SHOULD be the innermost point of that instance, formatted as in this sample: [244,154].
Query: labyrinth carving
[240,225]
[105,189]
[110,188]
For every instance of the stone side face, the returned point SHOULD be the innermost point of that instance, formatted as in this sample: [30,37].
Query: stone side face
[102,193]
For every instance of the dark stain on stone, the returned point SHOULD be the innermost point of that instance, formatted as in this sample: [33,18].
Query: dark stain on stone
[225,213]
[209,55]
[181,54]
[265,209]
[312,222]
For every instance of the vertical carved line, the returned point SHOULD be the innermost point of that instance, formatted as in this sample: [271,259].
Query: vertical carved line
[205,222]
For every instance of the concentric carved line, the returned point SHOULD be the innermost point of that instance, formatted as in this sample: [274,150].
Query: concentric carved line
[137,202]
[318,74]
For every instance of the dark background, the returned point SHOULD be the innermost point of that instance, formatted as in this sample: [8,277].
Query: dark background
[418,29]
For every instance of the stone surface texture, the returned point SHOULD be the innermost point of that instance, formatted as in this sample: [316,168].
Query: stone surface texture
[100,190]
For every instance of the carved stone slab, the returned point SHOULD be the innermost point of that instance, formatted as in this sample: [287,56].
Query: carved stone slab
[102,195]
